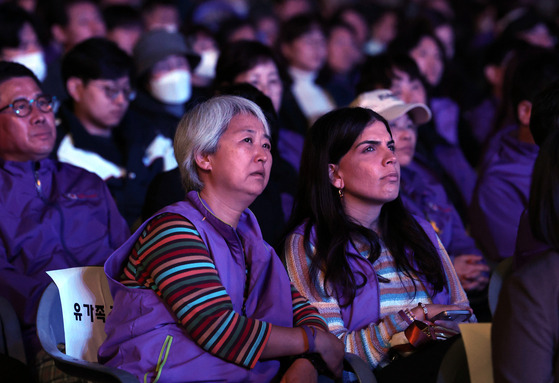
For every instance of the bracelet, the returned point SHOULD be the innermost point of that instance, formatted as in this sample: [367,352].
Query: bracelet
[425,312]
[309,338]
[407,316]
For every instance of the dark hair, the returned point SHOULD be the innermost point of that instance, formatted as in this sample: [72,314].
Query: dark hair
[122,16]
[543,207]
[96,58]
[378,71]
[12,20]
[55,12]
[410,36]
[9,70]
[299,25]
[318,206]
[239,57]
[544,117]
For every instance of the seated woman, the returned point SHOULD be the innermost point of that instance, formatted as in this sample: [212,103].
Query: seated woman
[525,331]
[198,294]
[357,254]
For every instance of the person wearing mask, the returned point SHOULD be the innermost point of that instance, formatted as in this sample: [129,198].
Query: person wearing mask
[52,215]
[164,66]
[19,39]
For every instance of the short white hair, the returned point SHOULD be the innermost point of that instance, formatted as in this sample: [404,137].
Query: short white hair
[201,128]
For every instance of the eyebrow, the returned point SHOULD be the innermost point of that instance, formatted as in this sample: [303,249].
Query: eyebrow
[254,132]
[373,142]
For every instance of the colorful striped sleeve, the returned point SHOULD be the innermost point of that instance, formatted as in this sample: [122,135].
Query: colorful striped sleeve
[304,313]
[171,258]
[371,343]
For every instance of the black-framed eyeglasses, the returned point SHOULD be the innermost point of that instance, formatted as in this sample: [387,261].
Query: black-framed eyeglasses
[112,92]
[22,107]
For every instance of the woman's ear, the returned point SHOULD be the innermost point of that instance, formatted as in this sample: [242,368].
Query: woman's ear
[335,177]
[203,161]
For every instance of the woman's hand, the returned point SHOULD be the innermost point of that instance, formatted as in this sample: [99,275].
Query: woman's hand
[332,351]
[300,371]
[472,271]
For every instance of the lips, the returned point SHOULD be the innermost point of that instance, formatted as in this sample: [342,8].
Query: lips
[391,177]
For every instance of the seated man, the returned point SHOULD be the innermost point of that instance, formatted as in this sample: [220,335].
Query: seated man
[52,215]
[98,77]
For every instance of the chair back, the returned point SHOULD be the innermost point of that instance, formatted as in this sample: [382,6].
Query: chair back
[81,308]
[501,272]
[11,341]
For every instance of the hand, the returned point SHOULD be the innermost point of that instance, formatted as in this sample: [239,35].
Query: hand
[332,351]
[472,271]
[434,309]
[300,371]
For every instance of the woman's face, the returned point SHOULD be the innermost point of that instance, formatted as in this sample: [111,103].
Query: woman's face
[265,78]
[343,52]
[408,90]
[307,52]
[369,172]
[404,133]
[429,59]
[240,167]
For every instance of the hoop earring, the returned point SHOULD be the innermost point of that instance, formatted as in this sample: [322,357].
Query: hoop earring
[341,193]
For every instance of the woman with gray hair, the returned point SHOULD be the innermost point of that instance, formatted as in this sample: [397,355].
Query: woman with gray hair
[198,294]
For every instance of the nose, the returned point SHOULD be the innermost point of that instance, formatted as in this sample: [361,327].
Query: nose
[120,98]
[389,157]
[36,115]
[262,154]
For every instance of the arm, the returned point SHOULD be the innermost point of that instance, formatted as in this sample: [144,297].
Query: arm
[171,258]
[370,343]
[525,327]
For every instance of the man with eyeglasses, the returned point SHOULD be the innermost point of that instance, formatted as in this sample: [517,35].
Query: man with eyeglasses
[98,78]
[52,215]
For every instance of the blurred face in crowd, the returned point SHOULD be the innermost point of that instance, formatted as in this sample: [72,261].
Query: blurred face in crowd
[29,52]
[162,17]
[100,104]
[307,52]
[125,37]
[265,77]
[24,138]
[429,59]
[406,89]
[84,22]
[343,52]
[384,30]
[171,80]
[404,133]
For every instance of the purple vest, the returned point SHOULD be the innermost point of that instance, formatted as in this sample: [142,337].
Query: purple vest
[140,321]
[365,308]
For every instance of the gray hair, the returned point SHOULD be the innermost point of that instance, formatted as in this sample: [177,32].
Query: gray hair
[201,128]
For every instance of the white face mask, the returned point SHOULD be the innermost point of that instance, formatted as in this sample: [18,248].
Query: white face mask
[173,87]
[206,67]
[34,61]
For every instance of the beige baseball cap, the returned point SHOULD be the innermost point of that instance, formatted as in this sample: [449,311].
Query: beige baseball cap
[391,107]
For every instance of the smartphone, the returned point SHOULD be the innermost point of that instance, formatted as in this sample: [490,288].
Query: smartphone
[452,315]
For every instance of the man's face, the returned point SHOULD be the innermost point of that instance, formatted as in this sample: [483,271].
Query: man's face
[84,21]
[101,104]
[24,138]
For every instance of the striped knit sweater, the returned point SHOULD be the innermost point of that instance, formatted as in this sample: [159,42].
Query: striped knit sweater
[171,258]
[371,343]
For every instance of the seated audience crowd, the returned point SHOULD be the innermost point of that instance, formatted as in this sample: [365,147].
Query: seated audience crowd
[303,178]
